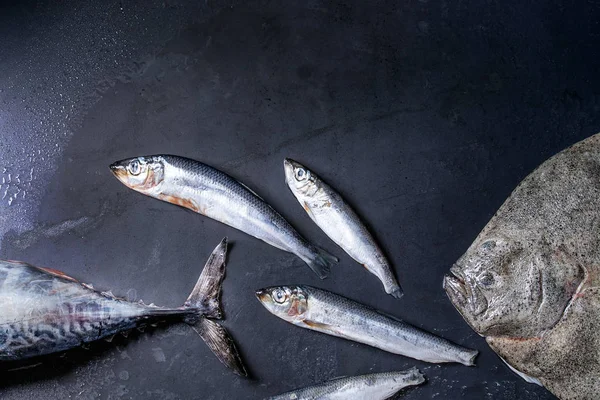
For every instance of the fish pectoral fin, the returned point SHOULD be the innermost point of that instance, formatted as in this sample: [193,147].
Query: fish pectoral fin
[221,344]
[206,293]
[318,326]
[308,209]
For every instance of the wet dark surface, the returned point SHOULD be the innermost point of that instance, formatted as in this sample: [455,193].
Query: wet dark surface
[423,114]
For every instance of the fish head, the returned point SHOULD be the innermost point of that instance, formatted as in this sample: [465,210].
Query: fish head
[299,179]
[289,303]
[143,174]
[507,287]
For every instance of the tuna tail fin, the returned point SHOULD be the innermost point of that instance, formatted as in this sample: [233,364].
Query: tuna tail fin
[321,261]
[206,293]
[221,344]
[204,300]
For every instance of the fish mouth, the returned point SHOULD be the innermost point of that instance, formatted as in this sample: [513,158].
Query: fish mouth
[262,295]
[118,170]
[288,167]
[289,162]
[463,293]
[455,287]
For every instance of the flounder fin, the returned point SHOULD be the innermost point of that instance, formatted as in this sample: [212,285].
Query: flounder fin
[206,293]
[221,344]
[527,378]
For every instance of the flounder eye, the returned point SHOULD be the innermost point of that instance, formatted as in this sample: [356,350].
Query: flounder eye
[279,295]
[134,167]
[488,245]
[486,279]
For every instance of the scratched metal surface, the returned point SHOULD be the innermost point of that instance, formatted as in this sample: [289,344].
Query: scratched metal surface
[424,114]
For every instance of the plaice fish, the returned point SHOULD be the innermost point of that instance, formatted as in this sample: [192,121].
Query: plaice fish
[329,313]
[337,219]
[210,192]
[530,282]
[45,311]
[371,386]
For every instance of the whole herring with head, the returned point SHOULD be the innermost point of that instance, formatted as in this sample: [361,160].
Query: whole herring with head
[530,282]
[335,217]
[210,192]
[326,312]
[379,386]
[46,311]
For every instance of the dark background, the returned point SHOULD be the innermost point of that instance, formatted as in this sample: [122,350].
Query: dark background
[424,114]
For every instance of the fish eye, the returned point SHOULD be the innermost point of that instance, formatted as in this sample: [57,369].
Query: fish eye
[134,167]
[486,279]
[301,174]
[488,245]
[279,295]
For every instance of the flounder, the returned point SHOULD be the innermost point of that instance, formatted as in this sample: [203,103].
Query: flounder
[530,282]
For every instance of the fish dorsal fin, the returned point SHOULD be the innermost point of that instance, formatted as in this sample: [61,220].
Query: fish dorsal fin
[251,191]
[56,272]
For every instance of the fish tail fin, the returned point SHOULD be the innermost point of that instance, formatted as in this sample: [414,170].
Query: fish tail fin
[397,292]
[221,344]
[320,262]
[205,301]
[469,357]
[205,296]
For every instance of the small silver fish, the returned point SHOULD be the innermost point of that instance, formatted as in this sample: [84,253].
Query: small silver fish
[326,312]
[210,192]
[335,217]
[46,311]
[372,386]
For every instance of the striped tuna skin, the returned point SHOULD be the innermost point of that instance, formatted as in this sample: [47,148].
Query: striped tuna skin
[43,311]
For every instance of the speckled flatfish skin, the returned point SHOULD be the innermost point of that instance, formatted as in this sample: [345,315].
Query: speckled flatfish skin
[44,311]
[378,386]
[210,192]
[530,282]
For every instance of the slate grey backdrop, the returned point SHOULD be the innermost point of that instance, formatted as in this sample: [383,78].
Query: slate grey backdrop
[423,114]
